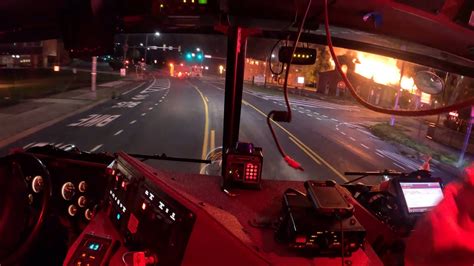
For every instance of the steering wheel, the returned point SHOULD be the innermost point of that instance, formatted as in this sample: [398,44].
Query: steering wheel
[25,189]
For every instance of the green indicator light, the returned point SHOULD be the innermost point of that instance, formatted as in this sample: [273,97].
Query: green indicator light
[202,2]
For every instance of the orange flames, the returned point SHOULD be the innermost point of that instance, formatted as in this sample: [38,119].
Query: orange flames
[382,70]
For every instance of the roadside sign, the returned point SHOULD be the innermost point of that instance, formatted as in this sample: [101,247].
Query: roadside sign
[123,72]
[259,79]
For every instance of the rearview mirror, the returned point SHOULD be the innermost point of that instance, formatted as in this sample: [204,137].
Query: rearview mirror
[429,82]
[302,56]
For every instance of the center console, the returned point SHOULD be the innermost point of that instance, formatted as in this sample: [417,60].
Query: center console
[149,217]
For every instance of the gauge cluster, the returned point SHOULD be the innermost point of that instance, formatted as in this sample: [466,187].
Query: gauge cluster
[78,189]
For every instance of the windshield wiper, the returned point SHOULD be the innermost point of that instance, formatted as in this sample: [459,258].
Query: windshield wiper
[164,157]
[371,173]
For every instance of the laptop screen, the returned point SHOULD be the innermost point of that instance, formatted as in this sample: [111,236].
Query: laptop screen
[421,196]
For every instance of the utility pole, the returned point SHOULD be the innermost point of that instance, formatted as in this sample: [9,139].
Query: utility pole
[93,73]
[392,119]
[466,139]
[146,46]
[125,48]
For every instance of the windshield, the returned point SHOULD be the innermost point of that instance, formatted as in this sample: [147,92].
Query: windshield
[163,93]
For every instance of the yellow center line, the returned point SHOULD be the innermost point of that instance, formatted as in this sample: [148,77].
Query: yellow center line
[213,140]
[205,142]
[296,140]
[305,151]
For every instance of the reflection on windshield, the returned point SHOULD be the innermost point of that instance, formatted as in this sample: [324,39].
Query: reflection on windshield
[160,93]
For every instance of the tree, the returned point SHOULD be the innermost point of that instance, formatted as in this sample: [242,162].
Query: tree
[323,62]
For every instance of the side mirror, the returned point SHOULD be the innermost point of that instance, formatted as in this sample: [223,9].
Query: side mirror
[429,82]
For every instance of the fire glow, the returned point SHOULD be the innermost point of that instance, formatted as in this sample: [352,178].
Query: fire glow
[382,70]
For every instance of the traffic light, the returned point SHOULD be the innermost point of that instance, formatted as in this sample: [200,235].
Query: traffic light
[188,56]
[199,57]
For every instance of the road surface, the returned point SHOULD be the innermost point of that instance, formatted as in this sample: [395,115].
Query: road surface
[184,118]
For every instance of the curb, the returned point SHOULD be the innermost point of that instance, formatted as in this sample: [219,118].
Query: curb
[39,127]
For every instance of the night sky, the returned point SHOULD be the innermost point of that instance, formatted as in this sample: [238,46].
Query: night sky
[215,45]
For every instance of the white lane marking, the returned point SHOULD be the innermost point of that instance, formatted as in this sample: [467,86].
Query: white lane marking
[151,90]
[64,146]
[367,133]
[336,127]
[133,122]
[334,119]
[96,147]
[353,139]
[96,120]
[399,165]
[318,118]
[130,90]
[301,112]
[118,132]
[402,160]
[365,146]
[58,145]
[143,114]
[139,97]
[325,116]
[156,104]
[214,86]
[309,115]
[126,104]
[160,101]
[275,102]
[151,108]
[380,155]
[26,146]
[316,113]
[207,100]
[342,133]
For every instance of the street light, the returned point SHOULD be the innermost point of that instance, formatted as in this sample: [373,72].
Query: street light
[273,55]
[157,34]
[198,49]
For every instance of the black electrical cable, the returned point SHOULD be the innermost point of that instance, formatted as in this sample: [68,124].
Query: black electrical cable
[295,44]
[342,243]
[281,116]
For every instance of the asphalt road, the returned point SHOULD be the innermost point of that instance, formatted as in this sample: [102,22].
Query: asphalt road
[184,118]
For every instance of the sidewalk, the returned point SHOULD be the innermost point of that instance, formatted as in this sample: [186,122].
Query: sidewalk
[32,115]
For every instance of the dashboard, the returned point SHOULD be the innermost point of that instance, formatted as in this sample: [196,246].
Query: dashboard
[78,186]
[163,218]
[118,211]
[147,217]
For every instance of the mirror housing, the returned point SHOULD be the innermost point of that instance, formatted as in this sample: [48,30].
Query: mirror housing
[302,56]
[428,82]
